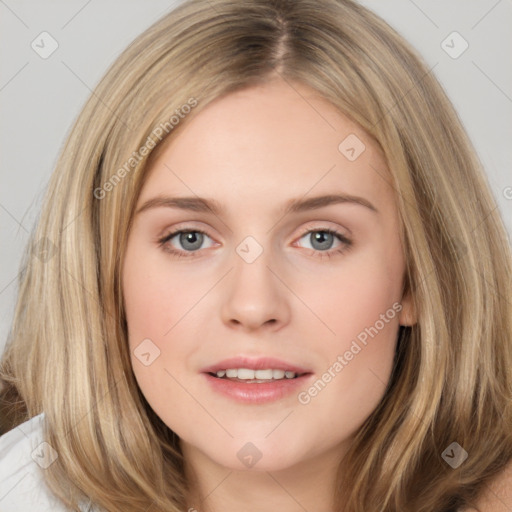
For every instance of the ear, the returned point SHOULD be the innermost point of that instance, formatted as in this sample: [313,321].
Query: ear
[408,316]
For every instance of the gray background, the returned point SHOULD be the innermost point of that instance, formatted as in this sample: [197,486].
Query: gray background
[40,98]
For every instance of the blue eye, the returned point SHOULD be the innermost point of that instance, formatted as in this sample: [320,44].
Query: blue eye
[322,240]
[191,241]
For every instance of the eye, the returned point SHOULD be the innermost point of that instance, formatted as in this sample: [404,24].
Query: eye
[190,240]
[321,241]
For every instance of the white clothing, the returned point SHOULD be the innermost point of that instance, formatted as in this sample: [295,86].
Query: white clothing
[24,455]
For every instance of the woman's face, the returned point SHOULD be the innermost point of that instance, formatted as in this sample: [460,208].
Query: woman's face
[292,262]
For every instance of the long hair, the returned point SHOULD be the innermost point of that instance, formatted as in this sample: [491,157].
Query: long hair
[67,353]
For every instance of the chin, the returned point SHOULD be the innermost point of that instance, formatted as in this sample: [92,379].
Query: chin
[259,454]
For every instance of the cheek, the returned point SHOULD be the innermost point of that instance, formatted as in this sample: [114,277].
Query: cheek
[163,304]
[156,301]
[352,296]
[363,311]
[153,306]
[156,295]
[355,378]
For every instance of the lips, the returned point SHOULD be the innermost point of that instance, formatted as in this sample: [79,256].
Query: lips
[256,392]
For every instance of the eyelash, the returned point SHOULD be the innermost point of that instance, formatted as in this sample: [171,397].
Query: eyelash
[347,244]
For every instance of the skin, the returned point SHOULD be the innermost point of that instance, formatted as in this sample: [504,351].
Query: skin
[253,151]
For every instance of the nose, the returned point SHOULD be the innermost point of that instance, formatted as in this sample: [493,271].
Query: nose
[255,296]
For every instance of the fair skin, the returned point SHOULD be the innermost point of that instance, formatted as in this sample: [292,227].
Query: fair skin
[253,151]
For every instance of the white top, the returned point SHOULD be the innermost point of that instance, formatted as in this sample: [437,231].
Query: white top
[24,455]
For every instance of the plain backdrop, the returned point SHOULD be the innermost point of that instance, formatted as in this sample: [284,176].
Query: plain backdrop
[41,97]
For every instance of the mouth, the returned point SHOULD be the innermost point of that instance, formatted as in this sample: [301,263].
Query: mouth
[256,381]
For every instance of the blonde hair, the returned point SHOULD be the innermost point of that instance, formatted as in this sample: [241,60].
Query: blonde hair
[67,353]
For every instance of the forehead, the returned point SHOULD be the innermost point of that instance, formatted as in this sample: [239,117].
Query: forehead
[267,144]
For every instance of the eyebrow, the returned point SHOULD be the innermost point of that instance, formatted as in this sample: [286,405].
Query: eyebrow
[203,205]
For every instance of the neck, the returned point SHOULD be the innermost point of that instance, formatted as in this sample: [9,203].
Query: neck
[309,485]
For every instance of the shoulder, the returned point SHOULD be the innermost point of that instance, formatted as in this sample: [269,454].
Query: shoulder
[497,495]
[24,455]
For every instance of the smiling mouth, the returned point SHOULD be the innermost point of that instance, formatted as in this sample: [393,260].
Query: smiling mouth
[257,386]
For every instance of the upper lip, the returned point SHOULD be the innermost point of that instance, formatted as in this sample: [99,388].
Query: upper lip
[259,363]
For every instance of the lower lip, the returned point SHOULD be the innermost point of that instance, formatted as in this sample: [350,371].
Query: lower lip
[257,393]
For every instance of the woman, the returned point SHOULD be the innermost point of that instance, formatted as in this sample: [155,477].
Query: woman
[371,374]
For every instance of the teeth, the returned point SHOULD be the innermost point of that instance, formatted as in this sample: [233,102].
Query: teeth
[248,374]
[263,374]
[245,374]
